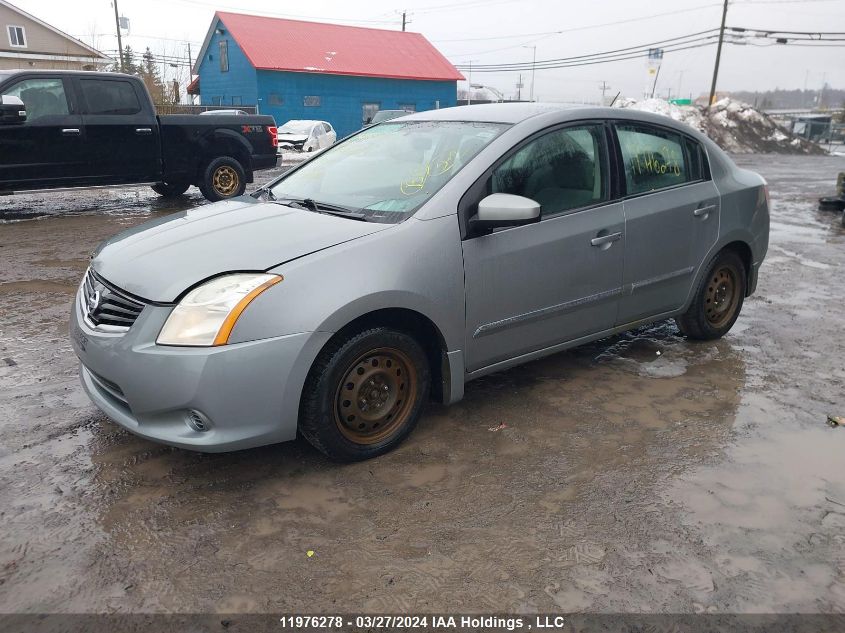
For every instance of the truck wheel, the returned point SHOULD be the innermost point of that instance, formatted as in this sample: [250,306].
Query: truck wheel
[222,179]
[170,189]
[364,394]
[717,300]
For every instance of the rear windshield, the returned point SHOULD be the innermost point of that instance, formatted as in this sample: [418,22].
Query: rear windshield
[386,172]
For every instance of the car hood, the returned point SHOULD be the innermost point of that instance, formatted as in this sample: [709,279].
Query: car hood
[292,138]
[159,260]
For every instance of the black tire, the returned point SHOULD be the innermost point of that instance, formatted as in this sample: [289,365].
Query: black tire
[170,189]
[718,299]
[388,367]
[223,178]
[831,204]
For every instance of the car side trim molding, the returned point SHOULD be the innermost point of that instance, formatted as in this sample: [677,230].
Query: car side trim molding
[543,313]
[555,310]
[638,285]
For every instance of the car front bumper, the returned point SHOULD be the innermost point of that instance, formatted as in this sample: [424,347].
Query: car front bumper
[248,393]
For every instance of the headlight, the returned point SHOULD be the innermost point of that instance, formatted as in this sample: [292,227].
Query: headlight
[207,314]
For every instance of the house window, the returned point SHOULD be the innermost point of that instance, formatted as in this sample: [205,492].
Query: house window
[274,99]
[17,36]
[236,101]
[217,101]
[311,102]
[224,55]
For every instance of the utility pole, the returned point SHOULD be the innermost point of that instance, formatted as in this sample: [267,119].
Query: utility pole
[469,84]
[519,88]
[604,88]
[119,38]
[718,55]
[656,75]
[533,65]
[403,20]
[190,98]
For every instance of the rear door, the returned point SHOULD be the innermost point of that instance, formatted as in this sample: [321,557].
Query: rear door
[47,149]
[121,131]
[671,219]
[535,286]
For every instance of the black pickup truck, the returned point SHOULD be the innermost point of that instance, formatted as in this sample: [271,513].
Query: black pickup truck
[78,128]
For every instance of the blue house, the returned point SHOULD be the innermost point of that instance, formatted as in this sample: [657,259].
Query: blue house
[306,70]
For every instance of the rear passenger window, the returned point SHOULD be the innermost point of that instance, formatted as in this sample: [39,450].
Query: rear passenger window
[653,158]
[110,97]
[561,170]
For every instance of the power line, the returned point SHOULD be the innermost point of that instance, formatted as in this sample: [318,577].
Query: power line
[745,29]
[681,39]
[604,60]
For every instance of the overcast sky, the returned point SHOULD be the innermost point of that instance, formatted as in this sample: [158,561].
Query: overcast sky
[497,31]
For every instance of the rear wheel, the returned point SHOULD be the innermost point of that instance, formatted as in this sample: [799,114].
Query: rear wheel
[222,179]
[364,394]
[170,189]
[718,299]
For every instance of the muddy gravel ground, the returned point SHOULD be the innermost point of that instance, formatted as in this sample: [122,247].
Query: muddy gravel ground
[642,473]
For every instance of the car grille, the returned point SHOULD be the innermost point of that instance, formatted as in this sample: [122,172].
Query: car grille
[106,307]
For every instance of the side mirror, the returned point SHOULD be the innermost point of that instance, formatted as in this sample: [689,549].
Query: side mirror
[503,209]
[12,110]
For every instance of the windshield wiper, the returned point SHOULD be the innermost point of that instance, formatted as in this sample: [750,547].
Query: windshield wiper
[323,207]
[266,192]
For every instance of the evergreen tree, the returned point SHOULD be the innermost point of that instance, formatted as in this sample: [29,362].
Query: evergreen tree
[149,74]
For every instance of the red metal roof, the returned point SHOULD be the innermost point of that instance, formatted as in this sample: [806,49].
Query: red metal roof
[312,47]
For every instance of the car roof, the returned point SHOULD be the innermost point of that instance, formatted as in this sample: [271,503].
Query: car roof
[46,71]
[551,113]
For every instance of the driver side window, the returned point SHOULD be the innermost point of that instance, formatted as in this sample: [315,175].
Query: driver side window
[41,97]
[562,170]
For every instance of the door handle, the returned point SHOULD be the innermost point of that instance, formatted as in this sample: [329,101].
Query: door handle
[143,131]
[70,131]
[601,240]
[704,211]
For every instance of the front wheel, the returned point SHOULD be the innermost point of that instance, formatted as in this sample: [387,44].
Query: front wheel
[170,189]
[223,178]
[717,300]
[364,394]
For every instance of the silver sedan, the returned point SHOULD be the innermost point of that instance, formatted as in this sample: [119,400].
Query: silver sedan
[407,260]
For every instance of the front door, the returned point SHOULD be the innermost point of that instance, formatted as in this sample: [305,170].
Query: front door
[48,148]
[535,286]
[671,219]
[121,132]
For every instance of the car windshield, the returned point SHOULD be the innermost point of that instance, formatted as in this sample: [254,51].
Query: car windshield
[385,173]
[296,127]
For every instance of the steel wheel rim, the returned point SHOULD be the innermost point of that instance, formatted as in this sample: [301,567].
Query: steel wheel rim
[721,296]
[226,180]
[376,395]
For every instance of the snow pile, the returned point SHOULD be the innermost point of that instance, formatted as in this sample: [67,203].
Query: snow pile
[735,126]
